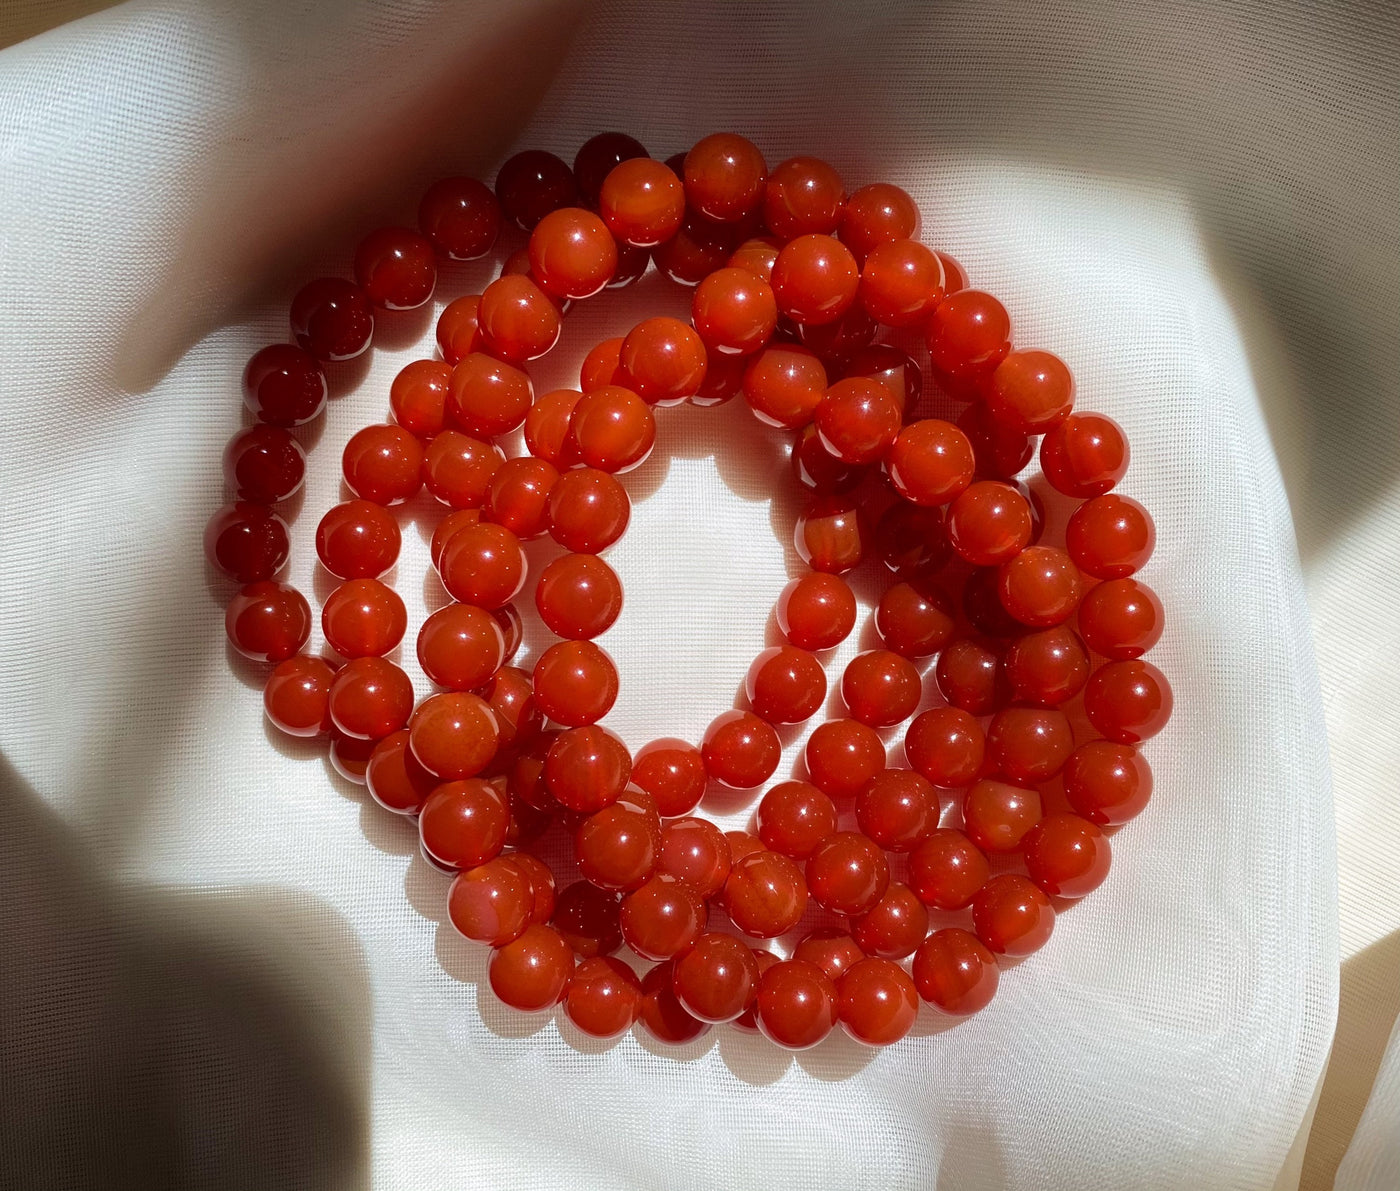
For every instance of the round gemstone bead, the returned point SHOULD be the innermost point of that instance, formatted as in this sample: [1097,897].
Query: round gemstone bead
[284,386]
[396,268]
[954,972]
[332,318]
[267,621]
[461,217]
[264,464]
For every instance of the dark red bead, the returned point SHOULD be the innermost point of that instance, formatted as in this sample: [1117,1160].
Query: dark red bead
[332,318]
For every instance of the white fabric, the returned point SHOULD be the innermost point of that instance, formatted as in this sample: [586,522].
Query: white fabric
[1145,189]
[1372,1162]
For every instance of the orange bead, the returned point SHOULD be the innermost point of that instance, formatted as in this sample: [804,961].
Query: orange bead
[893,926]
[847,873]
[1110,536]
[1121,619]
[1011,916]
[575,683]
[1128,702]
[815,279]
[369,698]
[724,177]
[602,365]
[1029,744]
[1048,667]
[383,464]
[794,817]
[695,852]
[267,621]
[832,535]
[803,196]
[901,283]
[947,869]
[587,917]
[915,617]
[1040,587]
[418,397]
[970,676]
[955,972]
[587,768]
[662,360]
[796,1004]
[969,334]
[458,469]
[989,523]
[1030,391]
[517,319]
[454,735]
[1107,783]
[661,918]
[572,253]
[765,894]
[588,510]
[518,496]
[664,1017]
[898,809]
[1085,455]
[463,823]
[816,611]
[395,778]
[673,773]
[740,750]
[642,202]
[1066,856]
[786,685]
[784,384]
[547,426]
[618,847]
[511,698]
[717,978]
[881,688]
[483,564]
[613,428]
[757,255]
[459,328]
[487,397]
[931,462]
[842,756]
[449,525]
[877,1002]
[604,997]
[363,618]
[697,250]
[859,419]
[532,972]
[894,369]
[578,596]
[947,746]
[491,903]
[878,214]
[734,311]
[296,697]
[997,815]
[461,646]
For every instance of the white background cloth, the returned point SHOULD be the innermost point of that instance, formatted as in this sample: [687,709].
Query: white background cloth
[250,964]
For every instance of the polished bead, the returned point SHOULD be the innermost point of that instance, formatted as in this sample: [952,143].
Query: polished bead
[673,773]
[1110,536]
[349,757]
[893,926]
[742,844]
[511,697]
[483,564]
[509,620]
[1048,667]
[796,1004]
[532,184]
[461,217]
[877,1002]
[717,978]
[396,268]
[284,386]
[842,756]
[794,817]
[832,535]
[947,746]
[724,377]
[970,676]
[815,279]
[487,397]
[267,621]
[901,283]
[784,384]
[897,808]
[697,250]
[664,1017]
[997,815]
[765,894]
[989,523]
[491,903]
[446,528]
[1029,744]
[332,318]
[518,320]
[459,328]
[757,256]
[983,606]
[662,360]
[247,541]
[1030,391]
[363,618]
[575,683]
[395,777]
[588,510]
[604,997]
[786,685]
[947,869]
[954,972]
[915,617]
[1066,856]
[661,918]
[881,688]
[384,464]
[734,311]
[418,397]
[454,735]
[740,750]
[461,646]
[1107,783]
[518,496]
[954,275]
[725,177]
[619,846]
[614,429]
[847,873]
[930,462]
[839,341]
[587,768]
[463,823]
[814,467]
[803,196]
[858,420]
[541,879]
[296,696]
[695,852]
[578,596]
[878,214]
[968,335]
[532,972]
[816,611]
[1085,455]
[834,951]
[588,918]
[572,253]
[370,698]
[547,426]
[1121,619]
[1128,701]
[1000,452]
[264,464]
[1011,916]
[1041,586]
[894,369]
[911,540]
[642,202]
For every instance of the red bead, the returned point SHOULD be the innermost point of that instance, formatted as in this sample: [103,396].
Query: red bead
[1000,452]
[893,926]
[604,997]
[1128,701]
[662,918]
[910,538]
[532,972]
[847,873]
[1030,391]
[383,464]
[997,815]
[463,823]
[835,952]
[877,1002]
[717,979]
[284,386]
[842,756]
[396,780]
[518,320]
[509,620]
[332,318]
[816,611]
[969,334]
[724,377]
[1011,916]
[642,202]
[1029,744]
[578,596]
[1066,856]
[740,750]
[947,746]
[461,646]
[459,328]
[784,384]
[734,311]
[1121,619]
[488,398]
[947,869]
[803,196]
[757,255]
[742,844]
[363,618]
[418,397]
[1110,537]
[662,360]
[461,217]
[931,462]
[815,279]
[915,617]
[894,369]
[1047,668]
[518,496]
[588,510]
[898,809]
[901,283]
[454,735]
[673,773]
[601,366]
[796,1004]
[832,535]
[532,184]
[724,177]
[1085,455]
[696,251]
[483,564]
[748,1020]
[587,768]
[575,683]
[613,428]
[794,817]
[970,676]
[786,685]
[955,972]
[572,253]
[1040,587]
[881,688]
[396,268]
[527,825]
[1107,783]
[878,214]
[248,542]
[264,464]
[491,903]
[511,697]
[446,528]
[267,621]
[619,846]
[547,426]
[664,1017]
[765,894]
[954,274]
[858,420]
[989,523]
[297,696]
[370,698]
[588,918]
[695,852]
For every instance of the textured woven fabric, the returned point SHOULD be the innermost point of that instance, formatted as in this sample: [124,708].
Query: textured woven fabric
[230,967]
